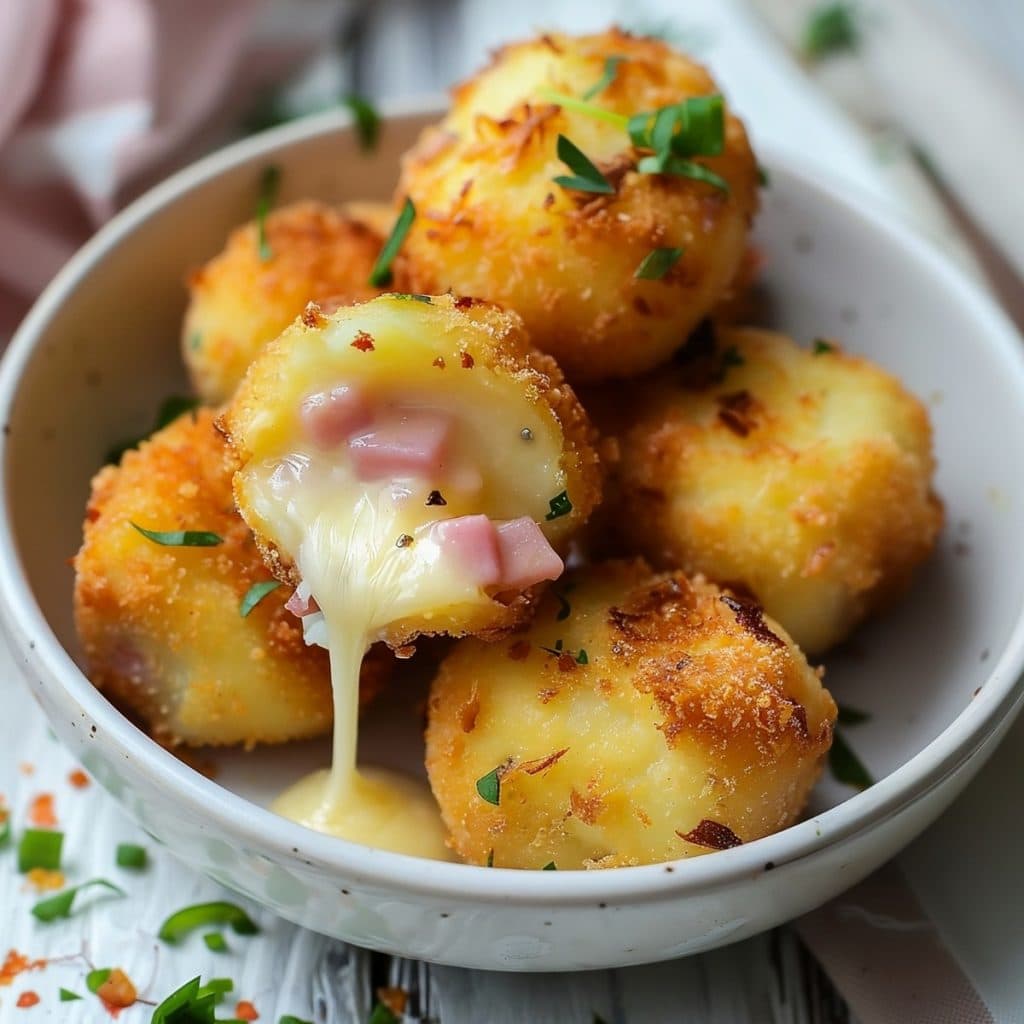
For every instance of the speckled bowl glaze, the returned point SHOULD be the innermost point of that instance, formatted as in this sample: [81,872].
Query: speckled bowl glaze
[939,673]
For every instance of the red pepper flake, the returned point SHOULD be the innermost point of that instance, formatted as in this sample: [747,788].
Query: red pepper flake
[78,779]
[439,362]
[27,768]
[395,999]
[311,315]
[15,963]
[118,991]
[467,361]
[246,1011]
[542,764]
[463,301]
[566,662]
[27,999]
[363,342]
[712,834]
[45,880]
[41,813]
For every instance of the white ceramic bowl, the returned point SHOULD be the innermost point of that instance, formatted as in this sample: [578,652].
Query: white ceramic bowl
[939,673]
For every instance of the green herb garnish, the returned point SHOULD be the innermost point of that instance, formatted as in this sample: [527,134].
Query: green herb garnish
[846,766]
[67,996]
[366,119]
[731,357]
[852,716]
[763,177]
[39,848]
[381,1014]
[490,857]
[270,179]
[218,988]
[611,69]
[489,787]
[559,506]
[564,608]
[195,341]
[131,855]
[189,1004]
[409,297]
[255,594]
[60,905]
[181,538]
[587,177]
[380,276]
[215,942]
[822,347]
[289,1019]
[179,924]
[581,657]
[94,979]
[550,866]
[657,263]
[831,28]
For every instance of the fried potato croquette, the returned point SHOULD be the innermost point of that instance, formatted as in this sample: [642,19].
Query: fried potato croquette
[492,222]
[802,476]
[160,626]
[640,719]
[412,461]
[239,301]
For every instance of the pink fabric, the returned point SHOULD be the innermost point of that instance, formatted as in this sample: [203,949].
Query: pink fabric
[98,98]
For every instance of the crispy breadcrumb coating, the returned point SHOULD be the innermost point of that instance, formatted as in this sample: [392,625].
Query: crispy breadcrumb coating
[238,302]
[801,475]
[641,718]
[160,627]
[492,223]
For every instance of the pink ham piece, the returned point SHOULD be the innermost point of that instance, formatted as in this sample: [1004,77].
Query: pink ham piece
[409,444]
[513,555]
[330,417]
[526,555]
[301,606]
[472,543]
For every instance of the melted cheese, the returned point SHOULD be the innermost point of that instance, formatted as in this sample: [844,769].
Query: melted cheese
[367,553]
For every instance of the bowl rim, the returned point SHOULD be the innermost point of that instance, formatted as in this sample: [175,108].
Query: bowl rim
[1000,696]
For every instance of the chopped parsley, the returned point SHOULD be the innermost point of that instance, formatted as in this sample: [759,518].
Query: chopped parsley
[559,506]
[586,177]
[255,594]
[731,357]
[852,716]
[289,1019]
[40,848]
[564,608]
[489,787]
[95,978]
[822,347]
[179,924]
[67,996]
[831,28]
[611,69]
[381,1014]
[181,538]
[366,120]
[410,297]
[581,657]
[131,855]
[381,276]
[657,263]
[215,942]
[60,905]
[846,766]
[490,857]
[550,866]
[193,1003]
[270,180]
[764,179]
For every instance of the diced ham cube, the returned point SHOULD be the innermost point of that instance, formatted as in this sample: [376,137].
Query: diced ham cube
[526,556]
[330,417]
[472,543]
[301,606]
[410,444]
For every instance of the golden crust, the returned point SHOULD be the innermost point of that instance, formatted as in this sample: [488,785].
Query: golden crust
[160,626]
[804,479]
[458,334]
[692,720]
[491,222]
[238,302]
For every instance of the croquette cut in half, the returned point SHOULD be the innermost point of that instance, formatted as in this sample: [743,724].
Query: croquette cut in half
[247,294]
[802,476]
[161,626]
[641,718]
[493,221]
[412,465]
